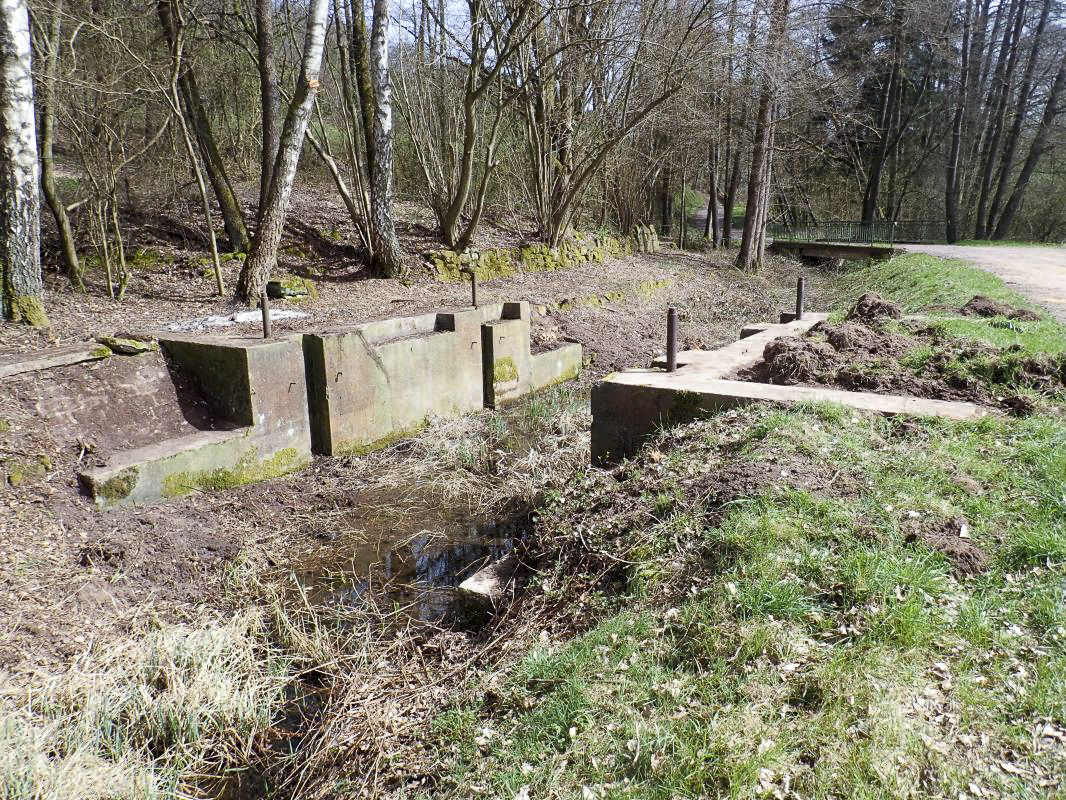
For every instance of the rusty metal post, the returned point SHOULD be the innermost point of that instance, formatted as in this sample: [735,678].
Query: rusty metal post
[671,339]
[799,298]
[473,288]
[264,304]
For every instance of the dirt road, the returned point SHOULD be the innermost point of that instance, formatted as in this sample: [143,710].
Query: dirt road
[1036,272]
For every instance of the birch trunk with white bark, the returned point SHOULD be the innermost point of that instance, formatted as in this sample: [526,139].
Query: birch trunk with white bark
[387,260]
[20,206]
[264,256]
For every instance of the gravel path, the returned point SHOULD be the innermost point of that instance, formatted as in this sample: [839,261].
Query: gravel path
[1037,272]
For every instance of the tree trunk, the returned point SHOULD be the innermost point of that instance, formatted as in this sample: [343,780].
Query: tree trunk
[229,206]
[751,244]
[710,229]
[270,98]
[387,259]
[46,103]
[951,189]
[21,286]
[992,142]
[1036,149]
[1010,146]
[264,256]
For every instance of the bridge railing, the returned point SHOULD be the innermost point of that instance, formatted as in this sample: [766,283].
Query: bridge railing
[859,232]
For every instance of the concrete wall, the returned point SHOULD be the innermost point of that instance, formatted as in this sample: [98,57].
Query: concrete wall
[371,383]
[335,392]
[256,386]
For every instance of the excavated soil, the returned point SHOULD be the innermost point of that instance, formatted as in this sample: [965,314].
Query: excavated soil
[981,306]
[872,352]
[950,538]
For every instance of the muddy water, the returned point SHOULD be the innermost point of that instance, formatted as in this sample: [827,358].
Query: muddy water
[402,551]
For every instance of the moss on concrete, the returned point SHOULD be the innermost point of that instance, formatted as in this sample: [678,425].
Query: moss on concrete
[119,487]
[247,470]
[504,370]
[124,346]
[685,406]
[5,426]
[384,441]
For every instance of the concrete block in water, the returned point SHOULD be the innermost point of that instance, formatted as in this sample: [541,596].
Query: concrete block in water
[486,588]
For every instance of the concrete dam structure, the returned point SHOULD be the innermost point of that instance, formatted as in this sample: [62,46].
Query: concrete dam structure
[277,401]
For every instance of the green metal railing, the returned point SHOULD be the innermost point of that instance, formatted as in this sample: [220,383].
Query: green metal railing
[859,232]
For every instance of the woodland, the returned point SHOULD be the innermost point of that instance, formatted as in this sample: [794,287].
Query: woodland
[553,117]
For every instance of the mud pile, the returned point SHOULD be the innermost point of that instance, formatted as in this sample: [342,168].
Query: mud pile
[871,352]
[981,306]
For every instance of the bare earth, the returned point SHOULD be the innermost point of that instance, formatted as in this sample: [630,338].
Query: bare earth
[1037,272]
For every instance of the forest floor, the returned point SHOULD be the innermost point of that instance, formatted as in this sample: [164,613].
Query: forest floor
[1038,272]
[764,602]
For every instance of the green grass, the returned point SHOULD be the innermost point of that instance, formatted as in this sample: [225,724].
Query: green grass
[928,284]
[798,641]
[831,657]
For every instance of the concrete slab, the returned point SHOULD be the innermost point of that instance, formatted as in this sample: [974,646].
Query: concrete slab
[258,386]
[742,353]
[630,407]
[19,363]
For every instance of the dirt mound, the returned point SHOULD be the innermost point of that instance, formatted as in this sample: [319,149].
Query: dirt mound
[740,479]
[951,537]
[789,360]
[981,306]
[856,337]
[871,308]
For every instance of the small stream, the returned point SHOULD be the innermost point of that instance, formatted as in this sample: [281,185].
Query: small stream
[403,551]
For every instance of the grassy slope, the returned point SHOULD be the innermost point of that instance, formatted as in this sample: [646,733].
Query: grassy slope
[796,641]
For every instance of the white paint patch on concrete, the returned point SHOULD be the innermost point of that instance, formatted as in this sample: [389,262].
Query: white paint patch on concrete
[224,320]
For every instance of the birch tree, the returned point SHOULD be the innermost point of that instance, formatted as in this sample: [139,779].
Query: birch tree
[386,258]
[264,256]
[20,205]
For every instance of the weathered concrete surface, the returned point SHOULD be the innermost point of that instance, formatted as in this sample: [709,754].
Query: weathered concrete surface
[53,357]
[374,382]
[510,370]
[486,588]
[1036,272]
[255,384]
[741,353]
[630,407]
[832,250]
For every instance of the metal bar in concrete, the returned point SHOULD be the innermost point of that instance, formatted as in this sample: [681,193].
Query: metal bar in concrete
[799,298]
[264,304]
[671,339]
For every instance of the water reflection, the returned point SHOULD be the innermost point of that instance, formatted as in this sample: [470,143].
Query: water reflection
[414,574]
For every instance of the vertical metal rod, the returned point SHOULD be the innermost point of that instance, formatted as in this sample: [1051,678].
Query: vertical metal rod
[264,304]
[799,298]
[671,339]
[473,288]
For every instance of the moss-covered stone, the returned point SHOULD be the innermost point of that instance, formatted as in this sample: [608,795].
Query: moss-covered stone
[247,470]
[504,370]
[447,265]
[126,346]
[117,487]
[291,287]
